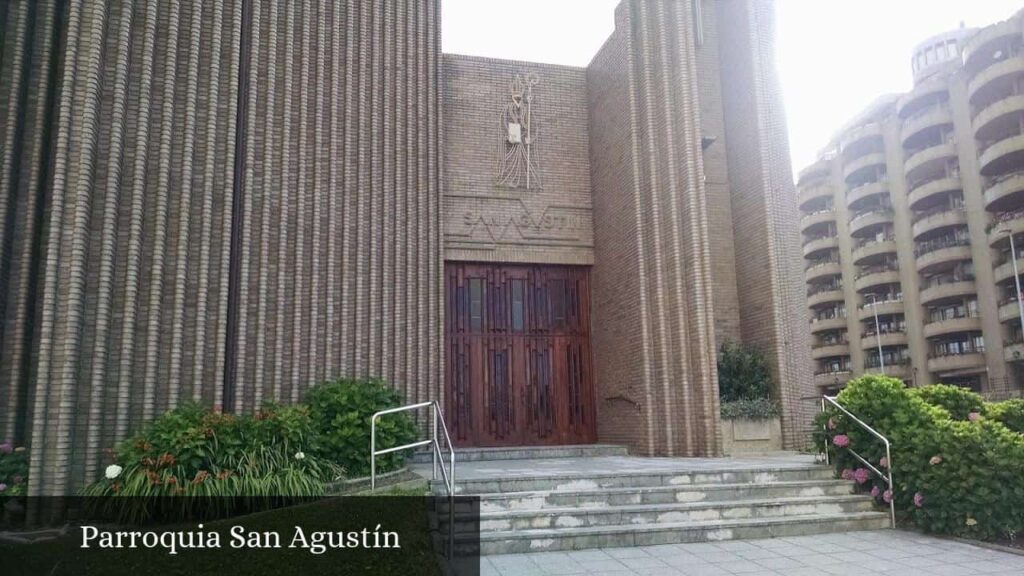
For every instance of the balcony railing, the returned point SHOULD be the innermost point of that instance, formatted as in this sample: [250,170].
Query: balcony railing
[877,268]
[821,262]
[924,214]
[819,288]
[889,298]
[996,180]
[944,105]
[929,246]
[883,210]
[862,242]
[934,281]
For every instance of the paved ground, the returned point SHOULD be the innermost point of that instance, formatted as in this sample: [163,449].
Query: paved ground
[503,469]
[855,553]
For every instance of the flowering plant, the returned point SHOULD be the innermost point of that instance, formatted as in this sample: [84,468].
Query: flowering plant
[13,470]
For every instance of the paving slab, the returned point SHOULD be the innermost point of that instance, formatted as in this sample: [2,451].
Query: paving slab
[895,552]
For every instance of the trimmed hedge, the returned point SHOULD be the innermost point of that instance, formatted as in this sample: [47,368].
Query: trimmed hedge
[953,475]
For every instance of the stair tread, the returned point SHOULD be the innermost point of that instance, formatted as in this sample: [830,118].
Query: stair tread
[671,488]
[612,508]
[708,524]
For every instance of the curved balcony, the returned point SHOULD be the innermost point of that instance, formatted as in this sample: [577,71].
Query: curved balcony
[870,342]
[952,253]
[832,379]
[1004,271]
[809,221]
[828,324]
[819,244]
[1003,191]
[925,89]
[997,117]
[809,192]
[1012,222]
[933,187]
[876,278]
[864,163]
[1002,156]
[813,172]
[886,308]
[866,190]
[829,351]
[1014,352]
[822,270]
[859,134]
[869,219]
[872,250]
[929,159]
[952,326]
[1008,311]
[957,362]
[995,71]
[824,297]
[937,115]
[901,371]
[939,220]
[949,290]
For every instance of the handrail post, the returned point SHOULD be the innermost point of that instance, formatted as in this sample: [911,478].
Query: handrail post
[433,436]
[373,453]
[825,428]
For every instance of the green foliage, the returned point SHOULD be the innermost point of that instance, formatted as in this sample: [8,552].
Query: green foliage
[192,451]
[743,373]
[1010,413]
[967,473]
[13,471]
[756,409]
[960,402]
[341,410]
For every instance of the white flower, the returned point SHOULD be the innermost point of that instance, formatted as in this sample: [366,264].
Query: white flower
[113,471]
[299,455]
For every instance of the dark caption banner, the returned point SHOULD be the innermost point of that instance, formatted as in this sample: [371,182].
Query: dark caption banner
[217,536]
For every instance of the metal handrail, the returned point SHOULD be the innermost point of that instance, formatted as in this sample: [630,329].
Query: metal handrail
[886,476]
[448,475]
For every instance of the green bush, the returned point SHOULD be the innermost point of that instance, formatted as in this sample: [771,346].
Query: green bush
[951,476]
[13,471]
[1010,413]
[341,410]
[960,402]
[268,458]
[757,409]
[743,373]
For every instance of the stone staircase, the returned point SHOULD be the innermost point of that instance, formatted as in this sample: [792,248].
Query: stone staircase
[545,502]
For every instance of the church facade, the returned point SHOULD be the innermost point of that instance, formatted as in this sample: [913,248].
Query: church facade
[231,201]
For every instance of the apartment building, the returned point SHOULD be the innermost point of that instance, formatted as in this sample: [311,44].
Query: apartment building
[907,222]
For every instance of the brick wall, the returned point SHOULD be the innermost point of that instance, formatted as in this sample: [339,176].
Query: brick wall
[485,221]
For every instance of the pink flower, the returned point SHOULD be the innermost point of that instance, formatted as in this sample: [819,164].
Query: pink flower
[17,479]
[841,440]
[875,492]
[973,416]
[918,499]
[3,486]
[887,496]
[831,424]
[861,475]
[846,474]
[935,460]
[6,448]
[884,462]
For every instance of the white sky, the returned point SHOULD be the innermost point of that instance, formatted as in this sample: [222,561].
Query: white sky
[835,56]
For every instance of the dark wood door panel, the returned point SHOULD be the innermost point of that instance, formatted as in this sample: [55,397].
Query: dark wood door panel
[518,354]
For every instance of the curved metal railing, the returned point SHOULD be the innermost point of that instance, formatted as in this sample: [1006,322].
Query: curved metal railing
[885,476]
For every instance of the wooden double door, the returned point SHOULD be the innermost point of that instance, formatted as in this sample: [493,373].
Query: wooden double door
[518,368]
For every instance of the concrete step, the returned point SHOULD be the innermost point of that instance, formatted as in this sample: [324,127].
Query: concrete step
[660,495]
[528,453]
[550,539]
[585,481]
[648,514]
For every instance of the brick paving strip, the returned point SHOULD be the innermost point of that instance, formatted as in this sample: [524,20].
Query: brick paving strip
[896,552]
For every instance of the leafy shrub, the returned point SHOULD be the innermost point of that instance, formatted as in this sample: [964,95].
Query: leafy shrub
[960,402]
[743,373]
[13,471]
[1010,413]
[757,409]
[192,451]
[341,410]
[952,476]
